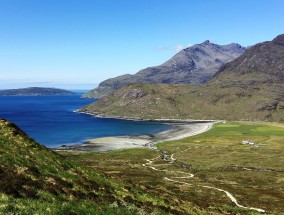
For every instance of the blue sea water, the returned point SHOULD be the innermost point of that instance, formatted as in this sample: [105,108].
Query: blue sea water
[51,120]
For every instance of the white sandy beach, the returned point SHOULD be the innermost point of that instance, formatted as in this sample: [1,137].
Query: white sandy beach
[179,131]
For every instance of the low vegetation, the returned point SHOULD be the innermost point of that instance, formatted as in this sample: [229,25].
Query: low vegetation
[36,180]
[253,103]
[253,174]
[188,176]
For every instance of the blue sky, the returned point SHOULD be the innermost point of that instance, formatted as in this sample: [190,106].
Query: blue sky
[78,43]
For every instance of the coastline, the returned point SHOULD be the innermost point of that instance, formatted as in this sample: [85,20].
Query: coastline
[105,116]
[181,129]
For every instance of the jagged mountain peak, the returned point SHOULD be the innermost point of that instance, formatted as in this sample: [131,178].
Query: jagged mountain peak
[194,65]
[279,39]
[206,42]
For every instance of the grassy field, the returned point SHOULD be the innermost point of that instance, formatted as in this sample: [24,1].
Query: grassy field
[253,174]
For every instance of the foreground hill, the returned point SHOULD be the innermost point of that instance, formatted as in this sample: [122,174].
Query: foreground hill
[248,88]
[35,91]
[36,180]
[193,65]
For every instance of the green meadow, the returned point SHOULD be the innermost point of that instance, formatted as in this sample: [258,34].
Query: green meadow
[253,174]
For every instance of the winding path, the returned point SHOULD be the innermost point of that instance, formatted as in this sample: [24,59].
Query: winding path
[186,175]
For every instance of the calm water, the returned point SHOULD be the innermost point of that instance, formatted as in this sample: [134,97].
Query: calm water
[51,121]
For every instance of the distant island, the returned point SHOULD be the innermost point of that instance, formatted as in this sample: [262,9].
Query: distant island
[35,91]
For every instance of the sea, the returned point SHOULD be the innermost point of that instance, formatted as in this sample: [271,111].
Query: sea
[52,120]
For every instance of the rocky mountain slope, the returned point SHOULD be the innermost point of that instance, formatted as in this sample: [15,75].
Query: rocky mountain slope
[248,88]
[35,91]
[194,65]
[262,63]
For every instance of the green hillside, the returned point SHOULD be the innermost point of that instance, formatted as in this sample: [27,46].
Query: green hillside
[35,180]
[253,103]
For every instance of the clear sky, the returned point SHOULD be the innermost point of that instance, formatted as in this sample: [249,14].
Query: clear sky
[78,43]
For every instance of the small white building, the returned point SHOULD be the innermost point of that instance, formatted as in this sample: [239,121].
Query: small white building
[247,142]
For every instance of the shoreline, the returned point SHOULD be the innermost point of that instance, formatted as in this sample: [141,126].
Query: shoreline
[105,116]
[181,129]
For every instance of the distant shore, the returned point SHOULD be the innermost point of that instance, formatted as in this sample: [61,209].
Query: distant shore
[181,129]
[105,116]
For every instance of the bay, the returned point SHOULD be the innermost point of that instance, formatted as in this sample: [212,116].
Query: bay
[51,120]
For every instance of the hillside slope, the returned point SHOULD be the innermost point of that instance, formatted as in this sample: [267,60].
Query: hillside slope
[262,63]
[36,180]
[192,102]
[193,65]
[248,88]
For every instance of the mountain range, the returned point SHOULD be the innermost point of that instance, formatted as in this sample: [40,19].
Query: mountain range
[194,65]
[247,88]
